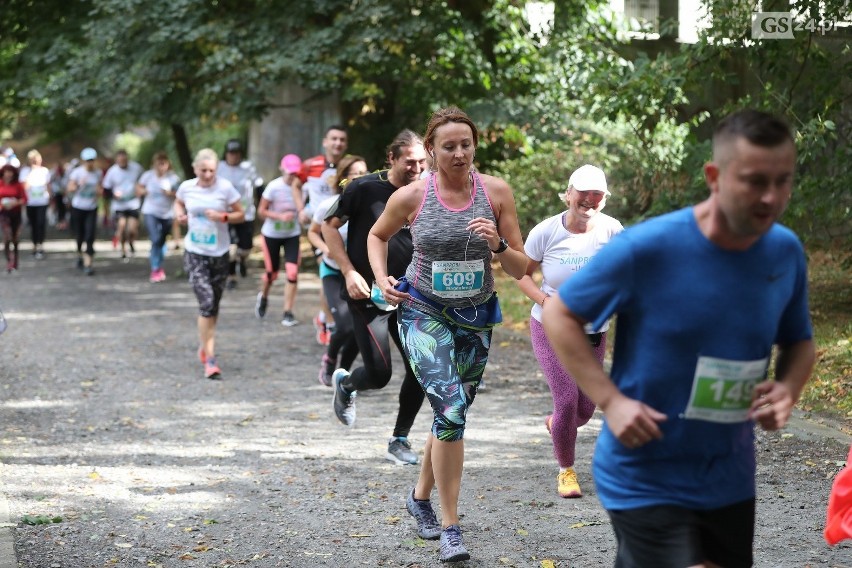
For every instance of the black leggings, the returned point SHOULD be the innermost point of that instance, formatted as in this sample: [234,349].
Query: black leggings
[372,327]
[37,217]
[343,341]
[61,208]
[84,222]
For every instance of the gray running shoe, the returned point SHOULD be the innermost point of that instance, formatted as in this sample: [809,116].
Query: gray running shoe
[399,452]
[428,526]
[326,369]
[289,320]
[342,401]
[452,547]
[260,305]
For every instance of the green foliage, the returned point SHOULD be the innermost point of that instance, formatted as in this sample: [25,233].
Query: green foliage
[39,520]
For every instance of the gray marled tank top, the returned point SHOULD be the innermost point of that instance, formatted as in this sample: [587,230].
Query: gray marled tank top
[450,264]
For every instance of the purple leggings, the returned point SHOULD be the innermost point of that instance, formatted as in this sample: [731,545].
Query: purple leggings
[571,408]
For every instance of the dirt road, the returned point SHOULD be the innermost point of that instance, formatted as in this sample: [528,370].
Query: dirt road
[114,443]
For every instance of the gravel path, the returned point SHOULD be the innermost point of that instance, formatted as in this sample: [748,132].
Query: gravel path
[113,440]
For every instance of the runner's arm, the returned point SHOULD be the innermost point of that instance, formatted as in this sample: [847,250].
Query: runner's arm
[528,285]
[400,206]
[773,400]
[315,237]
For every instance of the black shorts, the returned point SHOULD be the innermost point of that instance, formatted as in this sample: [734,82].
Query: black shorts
[127,213]
[107,195]
[242,234]
[667,536]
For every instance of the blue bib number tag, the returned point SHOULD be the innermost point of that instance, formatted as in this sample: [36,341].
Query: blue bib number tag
[457,278]
[202,233]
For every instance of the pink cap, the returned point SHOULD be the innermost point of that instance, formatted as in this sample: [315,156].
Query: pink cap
[291,163]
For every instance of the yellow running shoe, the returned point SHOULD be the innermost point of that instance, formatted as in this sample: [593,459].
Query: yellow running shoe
[567,485]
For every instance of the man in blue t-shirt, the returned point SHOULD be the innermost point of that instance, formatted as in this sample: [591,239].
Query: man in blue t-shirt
[702,295]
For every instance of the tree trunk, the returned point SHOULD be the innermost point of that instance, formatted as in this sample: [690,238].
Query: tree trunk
[182,147]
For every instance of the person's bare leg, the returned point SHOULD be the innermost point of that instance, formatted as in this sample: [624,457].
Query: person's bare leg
[207,335]
[426,480]
[132,232]
[121,233]
[447,465]
[289,296]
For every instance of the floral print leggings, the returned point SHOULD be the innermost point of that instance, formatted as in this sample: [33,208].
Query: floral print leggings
[448,362]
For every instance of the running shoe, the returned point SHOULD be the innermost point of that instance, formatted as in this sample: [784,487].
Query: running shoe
[288,320]
[212,370]
[452,547]
[481,386]
[343,402]
[567,485]
[399,452]
[428,527]
[124,258]
[161,277]
[324,337]
[39,255]
[89,271]
[154,278]
[260,305]
[326,370]
[322,333]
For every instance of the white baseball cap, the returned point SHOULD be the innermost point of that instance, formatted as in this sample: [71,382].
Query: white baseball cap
[588,178]
[88,154]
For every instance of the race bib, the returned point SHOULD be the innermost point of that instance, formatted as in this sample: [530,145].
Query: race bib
[37,192]
[722,389]
[282,226]
[88,190]
[124,192]
[457,278]
[203,233]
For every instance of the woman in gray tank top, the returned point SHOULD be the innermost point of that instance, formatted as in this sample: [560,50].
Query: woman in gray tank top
[458,220]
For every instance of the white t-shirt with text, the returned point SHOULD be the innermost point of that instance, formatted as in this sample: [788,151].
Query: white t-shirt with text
[122,182]
[562,253]
[203,236]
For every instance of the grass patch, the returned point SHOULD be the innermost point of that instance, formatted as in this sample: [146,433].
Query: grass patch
[829,391]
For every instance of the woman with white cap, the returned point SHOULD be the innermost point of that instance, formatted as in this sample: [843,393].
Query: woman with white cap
[85,189]
[280,206]
[559,246]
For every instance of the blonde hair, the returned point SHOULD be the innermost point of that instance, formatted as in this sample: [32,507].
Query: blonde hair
[33,154]
[205,154]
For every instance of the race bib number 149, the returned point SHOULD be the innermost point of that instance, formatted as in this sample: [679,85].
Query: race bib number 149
[722,389]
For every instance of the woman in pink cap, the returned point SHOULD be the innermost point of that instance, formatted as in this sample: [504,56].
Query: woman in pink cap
[279,208]
[559,246]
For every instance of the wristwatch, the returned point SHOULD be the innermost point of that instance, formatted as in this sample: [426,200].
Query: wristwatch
[504,244]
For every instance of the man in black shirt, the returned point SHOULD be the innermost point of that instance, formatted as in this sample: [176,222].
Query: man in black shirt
[361,203]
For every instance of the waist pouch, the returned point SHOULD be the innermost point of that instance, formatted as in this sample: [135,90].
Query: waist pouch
[478,318]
